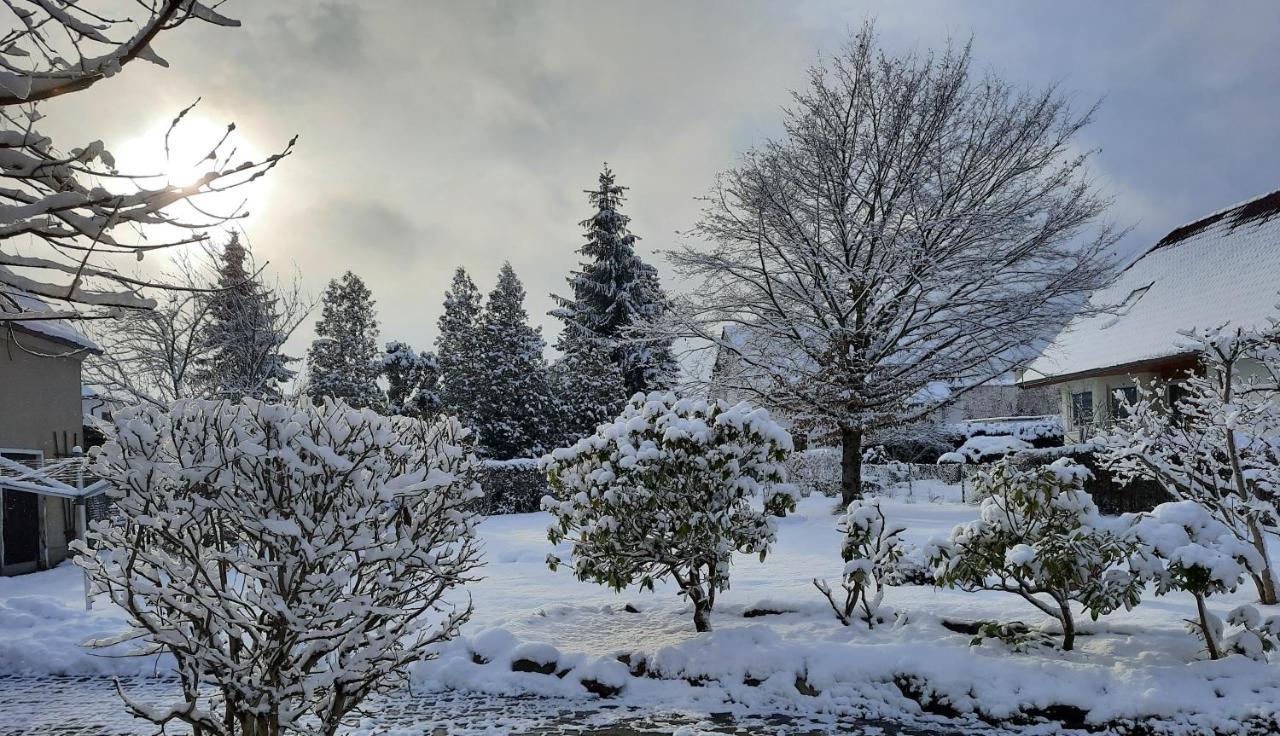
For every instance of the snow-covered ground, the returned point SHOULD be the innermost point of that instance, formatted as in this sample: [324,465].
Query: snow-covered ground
[1138,665]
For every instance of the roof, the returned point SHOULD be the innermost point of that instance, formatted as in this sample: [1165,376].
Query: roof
[1220,269]
[58,330]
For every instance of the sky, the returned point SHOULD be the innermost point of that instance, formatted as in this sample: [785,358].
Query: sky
[441,134]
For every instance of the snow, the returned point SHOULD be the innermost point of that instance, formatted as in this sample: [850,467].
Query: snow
[981,448]
[1140,664]
[1223,273]
[1028,428]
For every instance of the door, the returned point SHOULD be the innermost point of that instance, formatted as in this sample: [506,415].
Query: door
[21,532]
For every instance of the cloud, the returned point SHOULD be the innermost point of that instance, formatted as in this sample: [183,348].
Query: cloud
[442,134]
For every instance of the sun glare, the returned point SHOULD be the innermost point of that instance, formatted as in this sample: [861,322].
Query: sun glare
[195,146]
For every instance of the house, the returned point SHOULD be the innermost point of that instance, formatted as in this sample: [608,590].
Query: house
[1221,269]
[43,485]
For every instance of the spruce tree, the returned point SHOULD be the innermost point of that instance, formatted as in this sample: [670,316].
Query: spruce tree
[588,388]
[514,405]
[412,381]
[458,350]
[243,337]
[343,358]
[616,292]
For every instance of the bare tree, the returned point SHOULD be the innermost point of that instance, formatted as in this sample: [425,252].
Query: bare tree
[906,239]
[157,356]
[74,212]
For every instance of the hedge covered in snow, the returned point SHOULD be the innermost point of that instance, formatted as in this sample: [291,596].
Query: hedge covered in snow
[511,486]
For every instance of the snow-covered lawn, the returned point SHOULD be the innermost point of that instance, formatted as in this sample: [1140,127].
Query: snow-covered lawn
[1130,665]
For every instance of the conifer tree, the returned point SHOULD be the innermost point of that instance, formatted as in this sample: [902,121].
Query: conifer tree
[513,403]
[412,381]
[588,388]
[343,358]
[458,350]
[244,335]
[616,292]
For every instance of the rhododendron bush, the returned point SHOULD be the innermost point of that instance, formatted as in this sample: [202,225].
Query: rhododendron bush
[670,489]
[1040,536]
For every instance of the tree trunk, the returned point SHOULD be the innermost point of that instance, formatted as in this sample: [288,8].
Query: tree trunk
[1068,626]
[1265,580]
[1206,629]
[701,614]
[850,464]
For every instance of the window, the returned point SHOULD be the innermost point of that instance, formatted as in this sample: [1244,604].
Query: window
[1120,397]
[1082,409]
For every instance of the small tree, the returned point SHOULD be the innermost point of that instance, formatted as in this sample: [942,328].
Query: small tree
[668,491]
[1040,536]
[458,349]
[292,559]
[1216,445]
[871,551]
[1185,548]
[412,381]
[343,359]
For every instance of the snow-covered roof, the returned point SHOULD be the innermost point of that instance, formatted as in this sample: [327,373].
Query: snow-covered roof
[1221,269]
[54,329]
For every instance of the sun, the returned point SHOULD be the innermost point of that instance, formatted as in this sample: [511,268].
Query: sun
[166,155]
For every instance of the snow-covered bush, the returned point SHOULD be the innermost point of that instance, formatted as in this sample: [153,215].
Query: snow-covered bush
[1256,636]
[1219,443]
[1186,549]
[987,448]
[815,470]
[871,551]
[291,559]
[669,489]
[1040,536]
[511,486]
[1042,429]
[876,455]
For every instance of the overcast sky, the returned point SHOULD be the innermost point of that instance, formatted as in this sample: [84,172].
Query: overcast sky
[438,134]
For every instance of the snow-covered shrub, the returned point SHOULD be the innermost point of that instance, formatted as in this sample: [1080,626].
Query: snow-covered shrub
[1219,443]
[876,455]
[987,448]
[1256,636]
[511,486]
[871,552]
[668,489]
[1040,430]
[1184,548]
[1039,536]
[291,559]
[878,479]
[815,470]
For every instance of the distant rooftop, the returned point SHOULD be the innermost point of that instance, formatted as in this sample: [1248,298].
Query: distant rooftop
[59,330]
[1221,269]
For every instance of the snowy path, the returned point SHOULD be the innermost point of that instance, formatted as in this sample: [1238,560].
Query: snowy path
[89,706]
